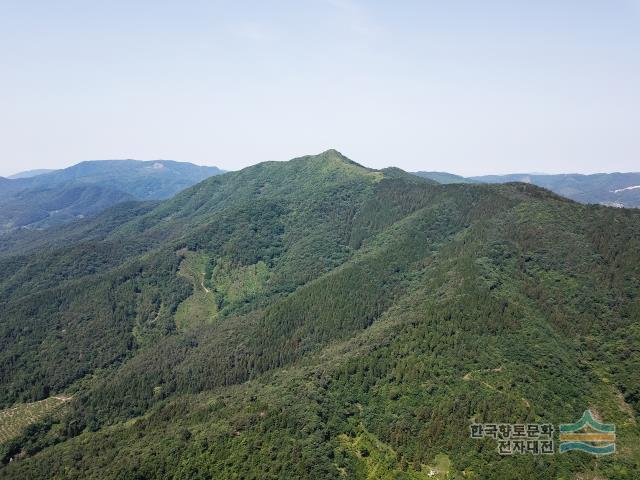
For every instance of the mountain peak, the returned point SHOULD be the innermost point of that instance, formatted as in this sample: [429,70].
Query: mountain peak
[333,156]
[332,152]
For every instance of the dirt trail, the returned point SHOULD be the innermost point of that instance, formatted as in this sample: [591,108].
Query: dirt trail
[63,398]
[202,284]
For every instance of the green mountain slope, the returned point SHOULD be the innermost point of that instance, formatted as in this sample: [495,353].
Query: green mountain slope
[317,319]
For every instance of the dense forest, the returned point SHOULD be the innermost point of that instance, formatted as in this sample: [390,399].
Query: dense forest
[316,319]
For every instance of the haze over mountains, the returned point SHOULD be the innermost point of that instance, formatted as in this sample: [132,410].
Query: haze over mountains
[30,173]
[612,189]
[40,199]
[317,319]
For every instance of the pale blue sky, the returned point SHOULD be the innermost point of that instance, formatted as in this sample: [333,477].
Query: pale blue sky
[466,86]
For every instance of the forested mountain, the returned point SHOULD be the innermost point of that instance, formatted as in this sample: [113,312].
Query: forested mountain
[612,189]
[316,319]
[60,196]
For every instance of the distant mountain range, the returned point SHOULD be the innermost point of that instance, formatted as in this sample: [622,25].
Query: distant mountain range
[444,177]
[612,189]
[31,173]
[42,198]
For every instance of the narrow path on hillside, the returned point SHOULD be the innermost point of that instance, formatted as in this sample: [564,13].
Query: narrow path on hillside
[202,284]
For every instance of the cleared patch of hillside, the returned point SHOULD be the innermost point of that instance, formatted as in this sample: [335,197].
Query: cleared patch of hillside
[201,307]
[14,420]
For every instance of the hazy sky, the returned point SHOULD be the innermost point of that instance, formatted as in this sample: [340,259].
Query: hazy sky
[469,86]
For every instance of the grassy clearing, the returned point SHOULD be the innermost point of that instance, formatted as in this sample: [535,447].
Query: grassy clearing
[14,420]
[376,461]
[236,286]
[201,306]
